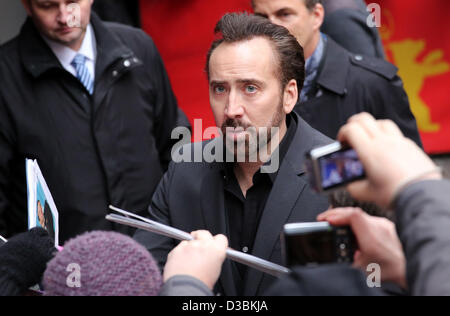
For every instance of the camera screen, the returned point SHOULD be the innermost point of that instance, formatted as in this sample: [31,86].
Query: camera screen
[317,243]
[340,168]
[313,248]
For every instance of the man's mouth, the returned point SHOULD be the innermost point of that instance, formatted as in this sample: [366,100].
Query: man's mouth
[65,30]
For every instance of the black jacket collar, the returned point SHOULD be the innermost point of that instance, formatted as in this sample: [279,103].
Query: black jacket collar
[38,58]
[334,68]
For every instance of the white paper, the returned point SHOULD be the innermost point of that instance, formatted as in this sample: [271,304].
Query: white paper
[42,211]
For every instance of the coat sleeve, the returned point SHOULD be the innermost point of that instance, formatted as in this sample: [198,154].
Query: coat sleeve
[423,221]
[390,101]
[6,157]
[159,246]
[167,114]
[184,285]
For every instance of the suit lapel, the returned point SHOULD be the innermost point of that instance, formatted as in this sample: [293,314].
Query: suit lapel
[213,209]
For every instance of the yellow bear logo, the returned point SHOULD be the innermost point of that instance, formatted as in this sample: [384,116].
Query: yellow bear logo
[414,73]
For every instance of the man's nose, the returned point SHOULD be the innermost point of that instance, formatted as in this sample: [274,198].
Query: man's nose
[63,14]
[235,107]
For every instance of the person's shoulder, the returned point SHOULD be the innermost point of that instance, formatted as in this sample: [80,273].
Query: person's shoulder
[310,134]
[9,51]
[127,33]
[198,156]
[360,65]
[373,66]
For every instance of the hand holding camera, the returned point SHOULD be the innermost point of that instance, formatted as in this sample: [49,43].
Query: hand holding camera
[377,242]
[390,160]
[375,164]
[371,172]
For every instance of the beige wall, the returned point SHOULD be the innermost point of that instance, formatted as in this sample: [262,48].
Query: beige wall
[12,16]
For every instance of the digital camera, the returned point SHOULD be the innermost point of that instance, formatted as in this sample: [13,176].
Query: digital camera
[318,243]
[332,166]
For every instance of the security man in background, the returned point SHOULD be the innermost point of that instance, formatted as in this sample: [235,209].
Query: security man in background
[339,84]
[91,101]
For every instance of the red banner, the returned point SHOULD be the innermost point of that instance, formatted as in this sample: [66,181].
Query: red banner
[416,37]
[415,32]
[183,33]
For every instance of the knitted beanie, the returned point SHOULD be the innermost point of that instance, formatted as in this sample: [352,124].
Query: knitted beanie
[102,264]
[23,260]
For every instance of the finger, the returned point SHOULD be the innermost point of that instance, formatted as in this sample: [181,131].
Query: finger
[330,213]
[201,235]
[360,116]
[389,127]
[367,122]
[355,136]
[353,217]
[221,240]
[341,216]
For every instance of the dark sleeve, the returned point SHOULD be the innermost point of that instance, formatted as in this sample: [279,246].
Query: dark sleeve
[23,260]
[324,280]
[423,224]
[167,114]
[390,101]
[159,246]
[6,156]
[363,40]
[184,285]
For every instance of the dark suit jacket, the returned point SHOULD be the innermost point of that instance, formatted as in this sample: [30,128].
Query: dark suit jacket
[191,197]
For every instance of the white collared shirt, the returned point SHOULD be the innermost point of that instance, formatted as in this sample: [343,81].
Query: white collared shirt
[66,55]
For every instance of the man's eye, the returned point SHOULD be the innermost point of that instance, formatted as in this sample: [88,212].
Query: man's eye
[47,5]
[250,89]
[284,14]
[219,89]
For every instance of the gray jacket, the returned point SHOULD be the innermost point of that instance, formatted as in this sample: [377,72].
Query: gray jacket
[423,224]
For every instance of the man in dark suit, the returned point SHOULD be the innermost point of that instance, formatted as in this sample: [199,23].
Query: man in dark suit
[235,197]
[339,84]
[92,102]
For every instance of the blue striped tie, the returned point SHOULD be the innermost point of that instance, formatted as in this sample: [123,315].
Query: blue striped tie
[79,63]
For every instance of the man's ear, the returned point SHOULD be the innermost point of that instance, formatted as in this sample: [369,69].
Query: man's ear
[319,15]
[290,96]
[27,6]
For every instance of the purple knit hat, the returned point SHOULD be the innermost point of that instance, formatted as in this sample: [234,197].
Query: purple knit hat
[102,264]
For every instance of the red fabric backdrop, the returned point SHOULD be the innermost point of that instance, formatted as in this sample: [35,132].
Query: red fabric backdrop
[415,32]
[416,37]
[183,32]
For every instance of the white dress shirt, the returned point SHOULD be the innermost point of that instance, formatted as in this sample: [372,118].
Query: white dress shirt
[66,55]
